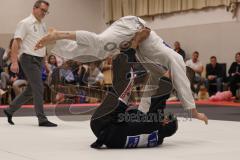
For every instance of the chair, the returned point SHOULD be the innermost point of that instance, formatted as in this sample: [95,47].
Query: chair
[107,81]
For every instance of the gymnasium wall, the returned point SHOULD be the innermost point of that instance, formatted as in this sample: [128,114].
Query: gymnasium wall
[64,15]
[211,31]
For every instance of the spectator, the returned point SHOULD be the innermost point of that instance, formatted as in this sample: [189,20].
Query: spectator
[51,63]
[95,74]
[197,67]
[74,66]
[66,74]
[2,92]
[179,50]
[44,73]
[50,66]
[2,51]
[4,68]
[214,74]
[17,80]
[234,74]
[82,75]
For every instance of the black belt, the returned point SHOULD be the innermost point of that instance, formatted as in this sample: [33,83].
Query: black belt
[28,55]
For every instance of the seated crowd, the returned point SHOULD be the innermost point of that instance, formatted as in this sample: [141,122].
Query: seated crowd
[215,78]
[55,72]
[68,78]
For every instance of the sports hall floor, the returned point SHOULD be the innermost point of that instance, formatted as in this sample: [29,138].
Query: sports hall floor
[219,140]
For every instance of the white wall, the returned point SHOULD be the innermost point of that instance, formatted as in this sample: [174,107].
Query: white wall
[64,15]
[191,18]
[211,32]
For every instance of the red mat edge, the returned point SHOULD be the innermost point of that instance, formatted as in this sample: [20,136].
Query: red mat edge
[203,102]
[212,103]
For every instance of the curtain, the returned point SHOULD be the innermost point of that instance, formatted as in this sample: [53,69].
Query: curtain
[141,7]
[129,7]
[217,2]
[172,6]
[156,7]
[114,9]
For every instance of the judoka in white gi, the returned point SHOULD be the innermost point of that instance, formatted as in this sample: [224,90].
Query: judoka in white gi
[153,54]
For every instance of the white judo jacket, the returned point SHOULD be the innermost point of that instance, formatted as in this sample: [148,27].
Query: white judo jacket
[153,53]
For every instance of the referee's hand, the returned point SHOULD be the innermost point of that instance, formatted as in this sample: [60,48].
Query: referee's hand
[14,68]
[47,39]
